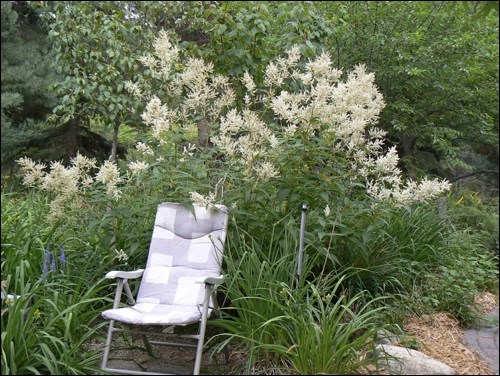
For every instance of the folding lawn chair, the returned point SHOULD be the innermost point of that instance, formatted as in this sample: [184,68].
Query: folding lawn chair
[178,285]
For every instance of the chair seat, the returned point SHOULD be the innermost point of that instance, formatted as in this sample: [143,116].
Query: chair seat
[150,314]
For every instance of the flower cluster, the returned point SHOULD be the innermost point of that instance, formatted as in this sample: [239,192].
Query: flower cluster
[134,89]
[276,73]
[136,167]
[166,55]
[157,116]
[120,255]
[65,182]
[303,102]
[250,87]
[69,183]
[109,174]
[247,140]
[207,94]
[348,110]
[187,151]
[199,199]
[198,93]
[50,260]
[412,192]
[341,111]
[144,148]
[33,172]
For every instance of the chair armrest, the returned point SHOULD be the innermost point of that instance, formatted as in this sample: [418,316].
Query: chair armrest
[126,275]
[213,280]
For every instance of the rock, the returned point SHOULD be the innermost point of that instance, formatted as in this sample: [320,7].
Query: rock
[386,337]
[403,361]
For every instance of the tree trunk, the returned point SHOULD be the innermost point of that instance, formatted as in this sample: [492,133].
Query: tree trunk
[115,141]
[71,140]
[203,134]
[408,143]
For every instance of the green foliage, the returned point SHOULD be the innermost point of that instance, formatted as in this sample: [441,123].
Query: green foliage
[96,47]
[286,323]
[384,250]
[480,8]
[362,249]
[56,300]
[470,265]
[25,70]
[24,235]
[245,36]
[57,320]
[26,76]
[435,63]
[329,332]
[428,260]
[437,67]
[470,212]
[465,272]
[95,52]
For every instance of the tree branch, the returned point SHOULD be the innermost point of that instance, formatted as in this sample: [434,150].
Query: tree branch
[474,173]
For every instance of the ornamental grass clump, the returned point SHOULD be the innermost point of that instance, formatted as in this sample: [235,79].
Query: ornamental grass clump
[47,325]
[54,291]
[384,250]
[330,332]
[284,324]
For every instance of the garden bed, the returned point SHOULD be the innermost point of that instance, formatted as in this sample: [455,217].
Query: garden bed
[439,336]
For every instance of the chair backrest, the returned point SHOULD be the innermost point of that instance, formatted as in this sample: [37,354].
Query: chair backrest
[186,247]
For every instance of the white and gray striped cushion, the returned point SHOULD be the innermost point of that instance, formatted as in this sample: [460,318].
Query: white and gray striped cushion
[185,249]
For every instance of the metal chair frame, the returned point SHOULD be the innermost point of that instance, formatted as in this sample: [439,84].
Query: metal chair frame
[122,280]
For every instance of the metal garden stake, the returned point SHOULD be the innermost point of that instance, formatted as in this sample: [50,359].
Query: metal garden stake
[301,240]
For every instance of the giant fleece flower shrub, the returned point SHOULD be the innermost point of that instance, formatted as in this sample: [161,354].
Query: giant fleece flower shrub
[311,101]
[251,136]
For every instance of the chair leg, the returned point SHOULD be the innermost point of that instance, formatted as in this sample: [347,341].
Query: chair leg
[216,312]
[203,326]
[107,346]
[149,349]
